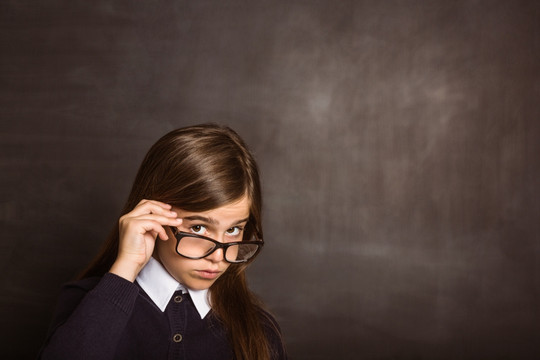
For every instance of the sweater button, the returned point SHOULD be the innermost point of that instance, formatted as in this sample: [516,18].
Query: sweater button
[178,299]
[177,338]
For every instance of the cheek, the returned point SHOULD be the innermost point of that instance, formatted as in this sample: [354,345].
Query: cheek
[175,265]
[165,250]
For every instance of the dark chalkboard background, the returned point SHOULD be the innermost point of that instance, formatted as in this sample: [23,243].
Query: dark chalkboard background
[399,145]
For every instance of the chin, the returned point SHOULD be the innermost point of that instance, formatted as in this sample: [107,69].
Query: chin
[199,284]
[198,287]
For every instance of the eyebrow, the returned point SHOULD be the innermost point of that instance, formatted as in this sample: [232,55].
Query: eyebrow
[210,220]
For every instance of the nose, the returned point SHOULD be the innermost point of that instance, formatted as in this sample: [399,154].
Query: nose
[216,256]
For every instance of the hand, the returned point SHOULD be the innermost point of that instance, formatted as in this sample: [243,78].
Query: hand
[139,230]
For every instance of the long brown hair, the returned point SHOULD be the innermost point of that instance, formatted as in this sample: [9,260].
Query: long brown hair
[200,168]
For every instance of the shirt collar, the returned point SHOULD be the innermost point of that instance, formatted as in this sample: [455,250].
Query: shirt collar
[160,287]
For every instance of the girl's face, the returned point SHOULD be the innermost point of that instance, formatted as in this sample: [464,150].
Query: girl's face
[223,224]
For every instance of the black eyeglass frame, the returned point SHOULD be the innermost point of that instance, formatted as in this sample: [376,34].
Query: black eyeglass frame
[218,245]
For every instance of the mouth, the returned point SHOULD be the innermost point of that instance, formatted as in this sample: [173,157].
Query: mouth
[208,274]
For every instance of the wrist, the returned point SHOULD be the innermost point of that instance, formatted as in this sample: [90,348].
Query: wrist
[125,269]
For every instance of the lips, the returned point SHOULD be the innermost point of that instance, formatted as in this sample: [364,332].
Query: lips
[208,274]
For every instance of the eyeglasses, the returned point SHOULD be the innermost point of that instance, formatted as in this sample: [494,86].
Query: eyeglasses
[196,247]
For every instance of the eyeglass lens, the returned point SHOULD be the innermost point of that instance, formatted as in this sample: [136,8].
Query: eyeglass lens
[198,248]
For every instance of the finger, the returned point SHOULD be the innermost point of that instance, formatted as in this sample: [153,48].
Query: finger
[153,228]
[160,203]
[152,205]
[162,220]
[156,235]
[151,208]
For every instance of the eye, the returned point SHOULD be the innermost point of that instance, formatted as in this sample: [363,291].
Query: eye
[234,231]
[198,229]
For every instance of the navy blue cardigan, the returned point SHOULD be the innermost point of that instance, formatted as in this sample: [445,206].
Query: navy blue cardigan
[112,318]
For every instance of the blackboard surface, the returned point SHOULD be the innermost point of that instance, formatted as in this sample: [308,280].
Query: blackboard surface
[399,145]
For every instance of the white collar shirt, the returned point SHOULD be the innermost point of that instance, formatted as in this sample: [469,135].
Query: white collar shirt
[160,287]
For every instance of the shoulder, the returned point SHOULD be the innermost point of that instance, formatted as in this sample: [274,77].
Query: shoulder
[84,285]
[107,287]
[269,321]
[273,333]
[73,291]
[97,292]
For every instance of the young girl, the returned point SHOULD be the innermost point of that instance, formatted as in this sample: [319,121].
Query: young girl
[170,281]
